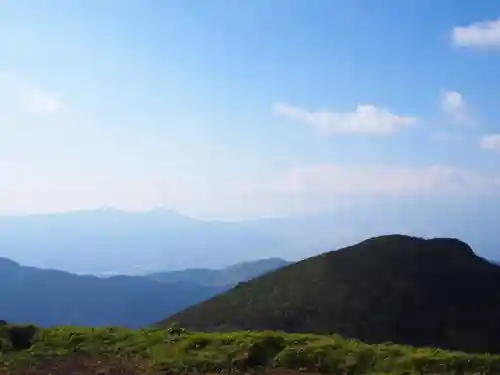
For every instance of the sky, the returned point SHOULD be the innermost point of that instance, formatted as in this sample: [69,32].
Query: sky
[247,109]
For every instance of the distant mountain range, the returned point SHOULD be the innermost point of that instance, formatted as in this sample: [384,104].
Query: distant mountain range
[231,275]
[111,242]
[51,297]
[397,288]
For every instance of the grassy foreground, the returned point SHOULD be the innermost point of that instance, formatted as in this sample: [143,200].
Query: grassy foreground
[70,350]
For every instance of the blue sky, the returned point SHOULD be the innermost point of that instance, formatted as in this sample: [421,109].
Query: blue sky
[227,109]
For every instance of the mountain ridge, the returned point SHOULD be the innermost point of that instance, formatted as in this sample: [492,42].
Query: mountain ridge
[132,243]
[230,275]
[50,297]
[152,241]
[409,290]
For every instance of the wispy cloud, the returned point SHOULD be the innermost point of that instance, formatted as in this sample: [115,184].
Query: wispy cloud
[454,105]
[369,180]
[39,101]
[18,97]
[490,142]
[364,119]
[485,34]
[452,101]
[397,180]
[321,187]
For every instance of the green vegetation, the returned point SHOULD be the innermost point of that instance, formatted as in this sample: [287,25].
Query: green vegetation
[66,350]
[429,293]
[394,288]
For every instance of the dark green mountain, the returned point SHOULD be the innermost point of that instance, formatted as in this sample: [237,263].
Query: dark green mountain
[434,292]
[226,276]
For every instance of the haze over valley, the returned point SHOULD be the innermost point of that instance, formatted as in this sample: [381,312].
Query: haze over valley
[112,242]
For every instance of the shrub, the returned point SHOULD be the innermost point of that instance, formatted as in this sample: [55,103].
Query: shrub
[21,337]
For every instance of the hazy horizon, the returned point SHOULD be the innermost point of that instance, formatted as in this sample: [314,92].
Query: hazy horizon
[288,127]
[247,110]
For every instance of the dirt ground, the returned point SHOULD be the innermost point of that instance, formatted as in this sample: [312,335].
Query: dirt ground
[82,365]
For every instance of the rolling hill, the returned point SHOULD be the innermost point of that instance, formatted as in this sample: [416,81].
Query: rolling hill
[231,275]
[408,290]
[51,297]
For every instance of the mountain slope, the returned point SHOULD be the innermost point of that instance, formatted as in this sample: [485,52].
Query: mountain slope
[392,288]
[49,297]
[226,276]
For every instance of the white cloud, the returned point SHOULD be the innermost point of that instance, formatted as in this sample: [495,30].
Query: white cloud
[394,180]
[490,142]
[19,98]
[365,119]
[301,190]
[39,101]
[485,34]
[317,188]
[453,104]
[326,182]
